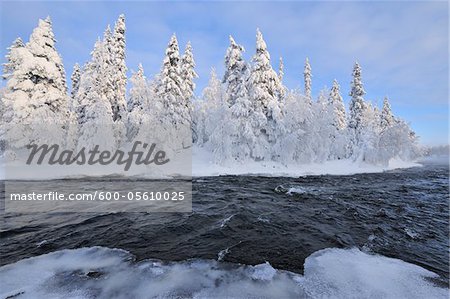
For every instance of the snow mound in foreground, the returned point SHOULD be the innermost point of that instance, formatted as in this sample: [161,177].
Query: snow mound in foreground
[99,272]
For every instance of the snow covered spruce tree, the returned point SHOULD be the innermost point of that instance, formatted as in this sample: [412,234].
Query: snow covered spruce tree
[120,70]
[94,112]
[320,135]
[138,105]
[13,61]
[115,76]
[356,121]
[307,77]
[169,87]
[176,111]
[13,58]
[396,139]
[339,134]
[236,71]
[36,91]
[296,143]
[75,78]
[188,74]
[265,91]
[208,110]
[370,134]
[387,119]
[281,69]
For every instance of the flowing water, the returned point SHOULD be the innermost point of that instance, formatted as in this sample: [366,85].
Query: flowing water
[273,222]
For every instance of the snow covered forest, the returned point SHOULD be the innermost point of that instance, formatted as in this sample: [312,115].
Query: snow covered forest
[246,114]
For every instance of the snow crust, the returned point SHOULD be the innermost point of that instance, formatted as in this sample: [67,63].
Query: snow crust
[99,272]
[203,165]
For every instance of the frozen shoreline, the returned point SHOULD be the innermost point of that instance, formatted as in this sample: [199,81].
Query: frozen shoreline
[74,273]
[202,165]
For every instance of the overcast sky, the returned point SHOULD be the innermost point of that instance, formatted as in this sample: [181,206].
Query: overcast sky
[401,46]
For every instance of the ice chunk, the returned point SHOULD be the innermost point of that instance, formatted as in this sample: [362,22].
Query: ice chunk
[99,272]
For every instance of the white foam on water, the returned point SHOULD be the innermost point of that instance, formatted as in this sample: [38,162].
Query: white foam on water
[225,221]
[411,233]
[296,190]
[99,272]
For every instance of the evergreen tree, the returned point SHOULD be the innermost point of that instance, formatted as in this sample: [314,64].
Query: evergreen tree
[281,70]
[170,86]
[94,113]
[138,105]
[75,78]
[188,73]
[236,72]
[36,91]
[307,76]
[12,58]
[212,97]
[120,69]
[387,119]
[337,107]
[357,108]
[265,92]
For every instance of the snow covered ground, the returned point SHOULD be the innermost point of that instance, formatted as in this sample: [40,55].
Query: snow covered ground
[203,165]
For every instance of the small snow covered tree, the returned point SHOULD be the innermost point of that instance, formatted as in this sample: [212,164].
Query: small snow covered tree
[138,104]
[236,71]
[13,58]
[338,123]
[387,119]
[94,113]
[75,78]
[321,128]
[307,77]
[299,124]
[369,134]
[357,108]
[337,105]
[188,74]
[13,61]
[211,99]
[281,70]
[36,91]
[241,127]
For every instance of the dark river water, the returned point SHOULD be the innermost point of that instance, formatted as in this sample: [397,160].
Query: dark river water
[250,220]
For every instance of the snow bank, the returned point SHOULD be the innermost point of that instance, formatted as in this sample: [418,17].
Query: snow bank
[99,272]
[203,165]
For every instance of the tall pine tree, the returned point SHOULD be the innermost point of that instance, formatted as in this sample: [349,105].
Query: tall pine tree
[307,77]
[387,118]
[236,72]
[357,108]
[169,88]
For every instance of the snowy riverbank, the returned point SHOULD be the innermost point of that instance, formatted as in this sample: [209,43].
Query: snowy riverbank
[203,165]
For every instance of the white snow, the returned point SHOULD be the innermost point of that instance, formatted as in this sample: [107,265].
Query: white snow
[203,165]
[99,272]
